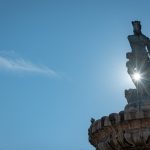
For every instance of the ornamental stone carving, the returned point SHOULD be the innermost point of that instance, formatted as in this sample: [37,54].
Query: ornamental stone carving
[129,129]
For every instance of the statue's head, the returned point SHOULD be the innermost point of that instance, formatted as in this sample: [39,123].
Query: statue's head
[136,27]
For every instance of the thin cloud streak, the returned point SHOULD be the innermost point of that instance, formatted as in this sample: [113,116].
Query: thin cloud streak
[21,65]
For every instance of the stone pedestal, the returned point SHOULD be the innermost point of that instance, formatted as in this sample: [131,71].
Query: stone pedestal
[115,133]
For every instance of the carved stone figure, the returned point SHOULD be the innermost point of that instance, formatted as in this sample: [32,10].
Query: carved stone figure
[129,129]
[139,60]
[140,45]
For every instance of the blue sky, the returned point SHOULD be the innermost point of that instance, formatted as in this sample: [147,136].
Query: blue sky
[61,63]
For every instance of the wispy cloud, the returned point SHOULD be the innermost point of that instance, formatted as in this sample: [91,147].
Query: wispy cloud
[21,65]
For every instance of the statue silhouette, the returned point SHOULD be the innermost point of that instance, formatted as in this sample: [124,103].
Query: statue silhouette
[139,60]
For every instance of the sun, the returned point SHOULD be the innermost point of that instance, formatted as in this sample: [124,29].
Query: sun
[136,76]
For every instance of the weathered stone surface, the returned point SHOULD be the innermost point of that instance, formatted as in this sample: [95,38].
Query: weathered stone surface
[129,129]
[127,135]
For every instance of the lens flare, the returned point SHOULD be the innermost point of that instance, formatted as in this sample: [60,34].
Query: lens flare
[136,76]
